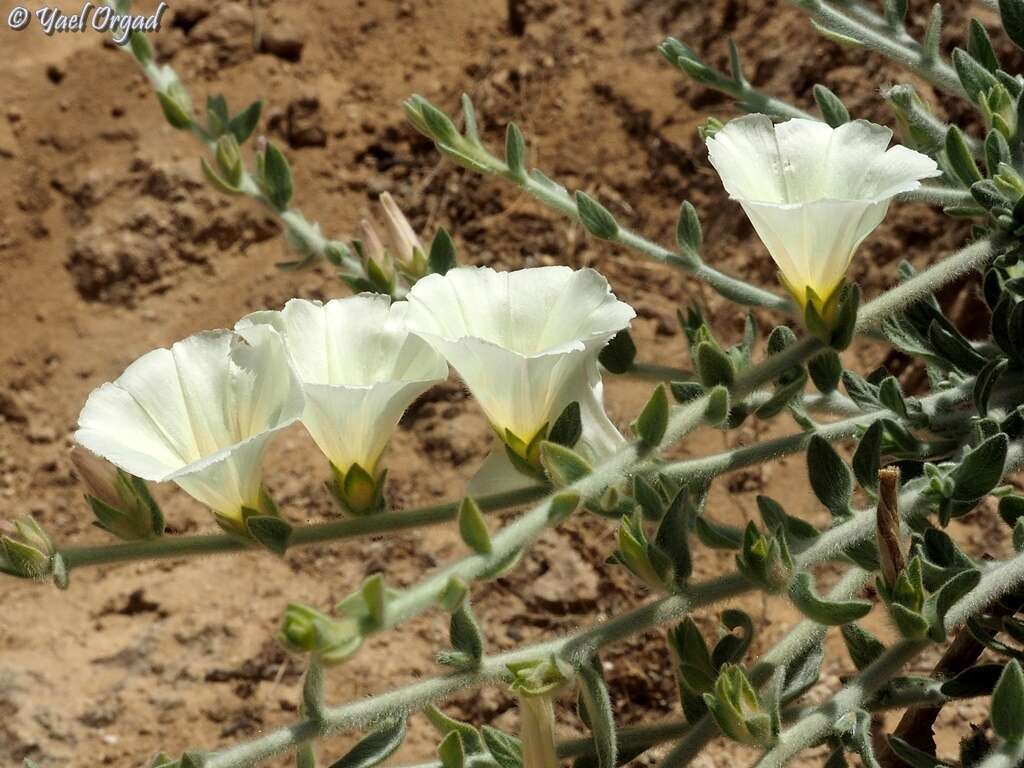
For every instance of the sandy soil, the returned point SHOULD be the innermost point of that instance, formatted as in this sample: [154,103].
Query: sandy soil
[110,245]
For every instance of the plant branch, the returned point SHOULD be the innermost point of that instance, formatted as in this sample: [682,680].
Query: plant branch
[900,48]
[317,533]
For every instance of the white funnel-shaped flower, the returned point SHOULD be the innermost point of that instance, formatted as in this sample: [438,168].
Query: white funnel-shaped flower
[359,367]
[812,192]
[525,343]
[198,414]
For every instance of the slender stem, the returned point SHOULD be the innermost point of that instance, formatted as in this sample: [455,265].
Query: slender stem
[974,256]
[936,195]
[318,533]
[305,235]
[904,51]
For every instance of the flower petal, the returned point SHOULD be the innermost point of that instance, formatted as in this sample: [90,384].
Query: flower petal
[360,369]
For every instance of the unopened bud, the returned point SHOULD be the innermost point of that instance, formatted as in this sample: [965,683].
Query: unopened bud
[306,630]
[28,554]
[121,502]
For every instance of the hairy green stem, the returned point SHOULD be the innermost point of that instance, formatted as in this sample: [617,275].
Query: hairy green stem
[895,46]
[317,533]
[707,467]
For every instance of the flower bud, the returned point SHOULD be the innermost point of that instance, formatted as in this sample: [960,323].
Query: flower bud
[29,554]
[121,502]
[999,110]
[404,240]
[765,560]
[306,630]
[738,710]
[229,159]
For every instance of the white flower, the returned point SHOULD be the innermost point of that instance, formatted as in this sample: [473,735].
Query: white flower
[525,343]
[198,414]
[812,192]
[360,369]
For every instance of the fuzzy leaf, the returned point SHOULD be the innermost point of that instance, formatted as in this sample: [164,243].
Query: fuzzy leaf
[374,748]
[595,217]
[830,478]
[1008,704]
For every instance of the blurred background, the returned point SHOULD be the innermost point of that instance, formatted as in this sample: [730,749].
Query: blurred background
[111,244]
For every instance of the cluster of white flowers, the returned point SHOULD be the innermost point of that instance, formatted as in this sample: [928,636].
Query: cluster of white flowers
[201,413]
[525,343]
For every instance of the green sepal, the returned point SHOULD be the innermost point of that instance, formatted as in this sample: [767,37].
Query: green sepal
[563,466]
[270,531]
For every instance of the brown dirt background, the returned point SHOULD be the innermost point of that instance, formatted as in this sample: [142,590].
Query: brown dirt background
[110,245]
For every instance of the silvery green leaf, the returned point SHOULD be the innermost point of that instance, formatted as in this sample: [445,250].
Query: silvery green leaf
[713,365]
[277,177]
[731,648]
[975,79]
[997,151]
[828,612]
[825,369]
[652,422]
[175,113]
[506,750]
[465,633]
[981,470]
[1008,703]
[862,646]
[831,480]
[719,408]
[672,536]
[472,527]
[597,220]
[960,158]
[600,717]
[688,230]
[716,535]
[244,123]
[471,740]
[515,151]
[980,46]
[650,500]
[867,459]
[451,751]
[1012,14]
[833,111]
